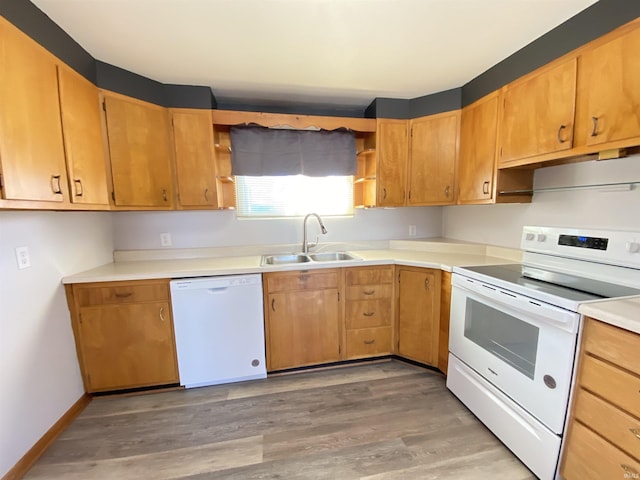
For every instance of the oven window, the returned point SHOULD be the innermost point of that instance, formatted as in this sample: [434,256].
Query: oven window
[505,336]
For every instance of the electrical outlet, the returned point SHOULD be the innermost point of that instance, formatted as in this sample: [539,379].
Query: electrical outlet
[23,257]
[165,239]
[412,230]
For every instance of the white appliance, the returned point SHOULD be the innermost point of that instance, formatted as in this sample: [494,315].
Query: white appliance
[219,328]
[514,331]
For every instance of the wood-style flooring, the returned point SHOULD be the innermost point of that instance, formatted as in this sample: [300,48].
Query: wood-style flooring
[378,421]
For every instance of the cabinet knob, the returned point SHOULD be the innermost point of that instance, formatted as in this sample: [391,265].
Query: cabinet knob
[78,186]
[629,472]
[368,314]
[485,188]
[369,292]
[55,184]
[162,314]
[560,138]
[636,432]
[594,131]
[164,194]
[206,194]
[369,342]
[426,284]
[446,191]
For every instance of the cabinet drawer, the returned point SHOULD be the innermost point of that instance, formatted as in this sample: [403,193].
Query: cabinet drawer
[612,344]
[613,424]
[589,457]
[368,313]
[613,384]
[369,292]
[366,342]
[364,276]
[116,293]
[301,280]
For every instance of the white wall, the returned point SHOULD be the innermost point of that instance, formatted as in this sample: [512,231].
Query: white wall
[141,230]
[40,377]
[595,208]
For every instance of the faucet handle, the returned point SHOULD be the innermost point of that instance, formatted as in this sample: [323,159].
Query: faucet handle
[314,244]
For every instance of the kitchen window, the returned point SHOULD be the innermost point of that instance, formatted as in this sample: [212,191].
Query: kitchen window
[293,195]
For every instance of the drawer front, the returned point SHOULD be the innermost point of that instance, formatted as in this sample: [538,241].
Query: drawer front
[368,313]
[589,457]
[121,293]
[367,342]
[365,276]
[613,344]
[611,423]
[369,292]
[613,384]
[301,280]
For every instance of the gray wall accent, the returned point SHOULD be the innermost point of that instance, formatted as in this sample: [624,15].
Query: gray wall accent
[436,103]
[591,23]
[32,21]
[247,105]
[388,108]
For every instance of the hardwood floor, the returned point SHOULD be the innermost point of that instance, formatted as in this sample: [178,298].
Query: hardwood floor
[376,421]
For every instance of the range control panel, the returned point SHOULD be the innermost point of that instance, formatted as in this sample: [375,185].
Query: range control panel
[614,247]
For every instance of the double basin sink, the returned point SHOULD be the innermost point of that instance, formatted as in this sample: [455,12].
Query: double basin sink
[301,258]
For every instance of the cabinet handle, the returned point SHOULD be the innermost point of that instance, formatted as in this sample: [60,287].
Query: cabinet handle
[123,295]
[485,188]
[162,313]
[78,185]
[206,194]
[55,184]
[446,191]
[636,432]
[369,342]
[384,193]
[426,284]
[164,194]
[369,292]
[629,472]
[368,314]
[560,139]
[594,132]
[273,304]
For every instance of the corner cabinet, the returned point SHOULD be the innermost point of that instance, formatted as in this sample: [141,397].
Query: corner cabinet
[140,152]
[603,439]
[418,313]
[124,334]
[302,318]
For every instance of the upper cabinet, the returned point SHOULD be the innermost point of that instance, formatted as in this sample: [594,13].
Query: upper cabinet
[538,112]
[195,170]
[140,152]
[609,92]
[433,159]
[392,152]
[31,146]
[83,144]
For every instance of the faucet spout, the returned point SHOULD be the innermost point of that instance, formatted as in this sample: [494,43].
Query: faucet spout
[323,229]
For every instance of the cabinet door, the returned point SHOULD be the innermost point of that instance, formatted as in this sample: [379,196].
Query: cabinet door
[610,84]
[195,169]
[127,346]
[418,314]
[434,152]
[392,150]
[538,113]
[303,328]
[139,145]
[83,142]
[31,149]
[476,166]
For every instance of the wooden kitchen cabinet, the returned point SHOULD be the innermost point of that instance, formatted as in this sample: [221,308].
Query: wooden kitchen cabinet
[225,181]
[538,113]
[445,313]
[603,439]
[392,152]
[418,313]
[31,147]
[433,159]
[368,311]
[195,168]
[303,319]
[140,152]
[124,334]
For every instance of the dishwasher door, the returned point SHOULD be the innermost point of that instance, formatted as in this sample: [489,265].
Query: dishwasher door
[219,328]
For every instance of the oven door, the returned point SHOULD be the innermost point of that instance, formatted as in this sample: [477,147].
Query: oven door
[524,347]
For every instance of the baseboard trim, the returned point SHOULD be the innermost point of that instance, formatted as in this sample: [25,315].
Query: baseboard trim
[26,462]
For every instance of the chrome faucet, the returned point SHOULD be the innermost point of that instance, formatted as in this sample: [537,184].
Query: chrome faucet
[305,243]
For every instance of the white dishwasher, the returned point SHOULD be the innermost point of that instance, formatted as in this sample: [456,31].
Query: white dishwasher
[219,327]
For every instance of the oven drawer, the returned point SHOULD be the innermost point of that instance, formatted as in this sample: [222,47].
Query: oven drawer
[590,457]
[612,344]
[611,383]
[611,423]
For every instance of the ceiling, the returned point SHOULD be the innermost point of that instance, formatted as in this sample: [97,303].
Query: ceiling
[324,52]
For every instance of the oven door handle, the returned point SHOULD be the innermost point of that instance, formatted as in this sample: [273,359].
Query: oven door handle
[543,312]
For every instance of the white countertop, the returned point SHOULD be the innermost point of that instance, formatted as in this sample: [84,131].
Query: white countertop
[621,312]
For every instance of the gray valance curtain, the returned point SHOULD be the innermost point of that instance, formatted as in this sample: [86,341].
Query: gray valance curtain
[261,151]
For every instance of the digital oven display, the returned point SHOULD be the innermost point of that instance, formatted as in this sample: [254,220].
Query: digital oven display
[593,243]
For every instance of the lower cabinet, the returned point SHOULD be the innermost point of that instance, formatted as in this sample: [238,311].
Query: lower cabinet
[368,311]
[302,318]
[603,437]
[445,312]
[124,334]
[418,314]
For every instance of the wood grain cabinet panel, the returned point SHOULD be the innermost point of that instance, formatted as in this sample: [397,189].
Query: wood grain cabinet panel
[392,150]
[368,342]
[433,159]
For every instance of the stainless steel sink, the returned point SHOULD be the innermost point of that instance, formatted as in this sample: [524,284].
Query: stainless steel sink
[298,258]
